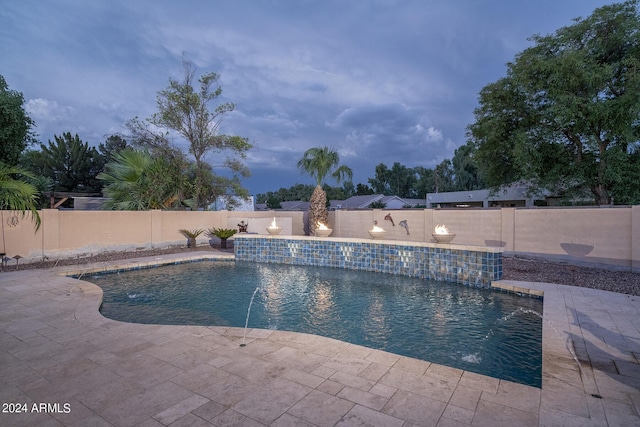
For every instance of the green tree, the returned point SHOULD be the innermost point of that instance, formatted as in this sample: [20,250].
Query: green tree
[363,190]
[134,180]
[320,163]
[15,125]
[380,182]
[273,203]
[70,164]
[425,181]
[443,176]
[397,181]
[348,189]
[112,145]
[185,110]
[465,171]
[17,194]
[565,118]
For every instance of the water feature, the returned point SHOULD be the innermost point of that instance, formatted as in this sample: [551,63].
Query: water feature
[468,265]
[455,325]
[246,322]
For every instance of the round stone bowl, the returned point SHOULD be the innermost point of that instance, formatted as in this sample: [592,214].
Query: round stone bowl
[320,232]
[274,230]
[377,234]
[443,238]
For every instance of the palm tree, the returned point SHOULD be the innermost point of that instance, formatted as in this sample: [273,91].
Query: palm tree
[17,195]
[319,163]
[137,181]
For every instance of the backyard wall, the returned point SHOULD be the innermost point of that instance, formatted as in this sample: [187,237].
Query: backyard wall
[65,234]
[608,236]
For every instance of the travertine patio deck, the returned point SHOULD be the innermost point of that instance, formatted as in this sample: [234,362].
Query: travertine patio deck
[56,348]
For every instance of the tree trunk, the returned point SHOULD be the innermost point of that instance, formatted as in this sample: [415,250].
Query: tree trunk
[601,195]
[318,209]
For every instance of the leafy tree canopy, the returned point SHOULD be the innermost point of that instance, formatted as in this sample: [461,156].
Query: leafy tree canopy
[363,190]
[303,192]
[112,145]
[566,116]
[466,174]
[70,164]
[15,125]
[184,109]
[398,181]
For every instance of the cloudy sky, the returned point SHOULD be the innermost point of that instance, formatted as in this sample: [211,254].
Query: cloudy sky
[381,81]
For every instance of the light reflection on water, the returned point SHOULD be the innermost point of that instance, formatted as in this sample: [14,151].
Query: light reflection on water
[479,330]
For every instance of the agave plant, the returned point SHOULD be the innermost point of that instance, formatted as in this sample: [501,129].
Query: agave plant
[222,233]
[191,236]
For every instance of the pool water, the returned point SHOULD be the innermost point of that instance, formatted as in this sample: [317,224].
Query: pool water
[479,330]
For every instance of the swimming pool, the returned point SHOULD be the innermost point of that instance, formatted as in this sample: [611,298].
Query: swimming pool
[480,330]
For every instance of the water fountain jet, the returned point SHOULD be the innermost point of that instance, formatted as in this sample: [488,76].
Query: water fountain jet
[246,322]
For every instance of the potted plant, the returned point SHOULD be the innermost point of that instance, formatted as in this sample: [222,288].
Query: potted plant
[191,236]
[242,227]
[222,233]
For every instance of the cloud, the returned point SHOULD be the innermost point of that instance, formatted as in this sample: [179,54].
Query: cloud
[47,111]
[381,81]
[390,133]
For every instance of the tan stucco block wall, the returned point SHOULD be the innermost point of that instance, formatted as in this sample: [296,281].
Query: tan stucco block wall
[296,218]
[477,227]
[591,235]
[600,234]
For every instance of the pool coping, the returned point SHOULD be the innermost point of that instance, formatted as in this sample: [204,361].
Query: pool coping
[600,327]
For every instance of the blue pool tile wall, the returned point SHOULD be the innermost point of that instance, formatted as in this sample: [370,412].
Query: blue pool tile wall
[451,263]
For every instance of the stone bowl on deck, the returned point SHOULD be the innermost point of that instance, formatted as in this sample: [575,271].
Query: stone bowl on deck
[323,232]
[274,230]
[443,238]
[377,234]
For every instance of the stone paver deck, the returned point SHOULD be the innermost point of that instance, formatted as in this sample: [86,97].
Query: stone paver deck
[81,369]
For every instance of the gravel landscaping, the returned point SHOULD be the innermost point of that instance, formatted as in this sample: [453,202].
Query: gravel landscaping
[537,270]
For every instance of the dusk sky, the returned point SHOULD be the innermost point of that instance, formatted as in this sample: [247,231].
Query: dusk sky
[380,81]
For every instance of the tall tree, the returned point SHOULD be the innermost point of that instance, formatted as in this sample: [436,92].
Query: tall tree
[321,163]
[70,163]
[465,170]
[363,190]
[425,182]
[17,194]
[15,125]
[398,181]
[380,182]
[565,118]
[111,146]
[348,189]
[443,177]
[186,110]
